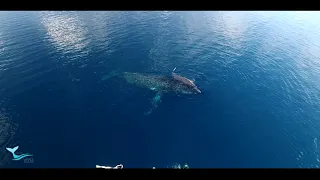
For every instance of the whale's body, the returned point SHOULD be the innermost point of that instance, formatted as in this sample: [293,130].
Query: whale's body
[159,83]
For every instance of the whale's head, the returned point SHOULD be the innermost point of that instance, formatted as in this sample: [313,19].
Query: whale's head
[196,90]
[189,89]
[189,86]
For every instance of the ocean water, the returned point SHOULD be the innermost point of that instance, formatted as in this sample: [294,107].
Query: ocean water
[259,73]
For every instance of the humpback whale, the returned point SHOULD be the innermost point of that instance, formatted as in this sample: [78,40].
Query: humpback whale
[159,83]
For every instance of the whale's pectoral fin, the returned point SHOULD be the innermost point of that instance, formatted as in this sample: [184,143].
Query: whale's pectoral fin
[155,102]
[110,75]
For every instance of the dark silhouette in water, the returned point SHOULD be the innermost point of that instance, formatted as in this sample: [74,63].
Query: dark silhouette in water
[159,83]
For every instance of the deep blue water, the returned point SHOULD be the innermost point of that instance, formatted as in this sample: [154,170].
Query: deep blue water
[259,73]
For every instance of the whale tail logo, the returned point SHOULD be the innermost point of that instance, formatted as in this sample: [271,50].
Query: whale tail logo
[17,157]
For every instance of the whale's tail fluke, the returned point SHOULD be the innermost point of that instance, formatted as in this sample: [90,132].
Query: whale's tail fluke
[12,150]
[17,157]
